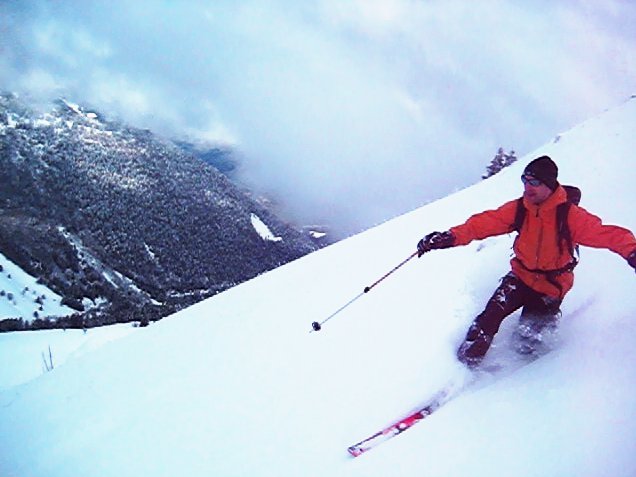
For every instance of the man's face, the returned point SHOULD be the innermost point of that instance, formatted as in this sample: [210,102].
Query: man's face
[535,194]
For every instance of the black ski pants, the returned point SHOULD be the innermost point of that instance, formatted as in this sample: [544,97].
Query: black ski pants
[539,310]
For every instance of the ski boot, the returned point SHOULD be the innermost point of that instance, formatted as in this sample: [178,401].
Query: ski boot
[534,336]
[472,350]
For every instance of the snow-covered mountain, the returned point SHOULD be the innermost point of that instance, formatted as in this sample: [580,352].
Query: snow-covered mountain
[237,385]
[121,222]
[22,295]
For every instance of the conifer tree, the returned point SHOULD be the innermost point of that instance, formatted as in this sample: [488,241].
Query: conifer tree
[500,161]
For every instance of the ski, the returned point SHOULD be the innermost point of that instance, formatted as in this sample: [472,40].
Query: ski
[403,424]
[447,393]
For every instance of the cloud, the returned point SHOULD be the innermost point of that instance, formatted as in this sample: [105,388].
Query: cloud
[349,112]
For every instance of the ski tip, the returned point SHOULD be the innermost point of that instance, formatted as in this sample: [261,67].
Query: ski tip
[355,451]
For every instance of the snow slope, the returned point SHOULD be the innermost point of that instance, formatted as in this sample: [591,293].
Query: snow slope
[237,386]
[27,355]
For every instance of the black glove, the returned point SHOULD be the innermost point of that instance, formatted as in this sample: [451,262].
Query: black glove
[434,241]
[632,259]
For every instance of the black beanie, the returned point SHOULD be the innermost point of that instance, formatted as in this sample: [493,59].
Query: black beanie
[544,169]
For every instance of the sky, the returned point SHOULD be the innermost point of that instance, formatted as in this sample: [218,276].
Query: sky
[237,386]
[348,113]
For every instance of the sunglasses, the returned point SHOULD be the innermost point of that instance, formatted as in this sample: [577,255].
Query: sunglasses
[530,180]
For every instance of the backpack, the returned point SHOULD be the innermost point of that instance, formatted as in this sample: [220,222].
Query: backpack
[562,211]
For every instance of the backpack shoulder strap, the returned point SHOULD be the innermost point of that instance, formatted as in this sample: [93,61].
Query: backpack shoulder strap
[520,216]
[563,228]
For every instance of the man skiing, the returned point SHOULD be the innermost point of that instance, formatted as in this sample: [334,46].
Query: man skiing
[543,259]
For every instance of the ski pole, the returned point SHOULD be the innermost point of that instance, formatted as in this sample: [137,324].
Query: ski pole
[316,326]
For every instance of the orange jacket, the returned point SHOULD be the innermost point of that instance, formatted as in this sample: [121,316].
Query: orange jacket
[536,245]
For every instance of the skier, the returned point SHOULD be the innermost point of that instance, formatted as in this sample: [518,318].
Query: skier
[542,266]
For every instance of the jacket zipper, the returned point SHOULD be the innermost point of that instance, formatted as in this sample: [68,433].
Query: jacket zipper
[539,241]
[537,277]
